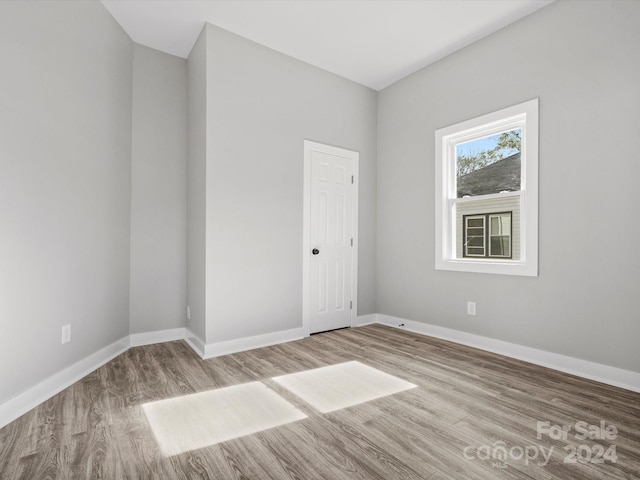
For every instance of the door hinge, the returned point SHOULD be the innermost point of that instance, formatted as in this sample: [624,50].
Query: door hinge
[351,304]
[351,178]
[352,242]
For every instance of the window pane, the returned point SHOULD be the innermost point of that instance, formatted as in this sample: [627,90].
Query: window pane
[489,165]
[500,224]
[475,222]
[475,241]
[500,246]
[478,252]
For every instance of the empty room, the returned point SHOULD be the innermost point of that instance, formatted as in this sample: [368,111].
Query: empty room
[308,239]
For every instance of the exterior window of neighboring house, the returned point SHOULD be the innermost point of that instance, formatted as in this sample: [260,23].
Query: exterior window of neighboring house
[487,193]
[487,235]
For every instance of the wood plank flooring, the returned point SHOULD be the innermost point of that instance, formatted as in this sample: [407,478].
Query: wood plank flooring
[468,404]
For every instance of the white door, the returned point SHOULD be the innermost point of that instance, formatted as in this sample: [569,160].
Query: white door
[330,237]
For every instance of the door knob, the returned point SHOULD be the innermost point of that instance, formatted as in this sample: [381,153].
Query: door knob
[315,251]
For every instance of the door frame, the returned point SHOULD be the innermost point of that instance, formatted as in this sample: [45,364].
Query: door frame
[310,146]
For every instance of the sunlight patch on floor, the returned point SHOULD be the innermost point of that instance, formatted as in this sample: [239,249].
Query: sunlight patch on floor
[199,420]
[340,386]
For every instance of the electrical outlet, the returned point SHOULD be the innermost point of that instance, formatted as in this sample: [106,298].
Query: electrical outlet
[66,333]
[188,312]
[471,308]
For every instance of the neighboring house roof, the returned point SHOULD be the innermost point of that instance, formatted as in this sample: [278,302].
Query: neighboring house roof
[503,175]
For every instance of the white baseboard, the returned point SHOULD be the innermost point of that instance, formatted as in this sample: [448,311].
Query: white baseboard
[21,404]
[563,363]
[218,349]
[363,320]
[195,342]
[161,336]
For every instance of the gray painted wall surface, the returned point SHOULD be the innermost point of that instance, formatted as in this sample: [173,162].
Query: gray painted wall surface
[65,180]
[581,59]
[196,184]
[262,105]
[158,292]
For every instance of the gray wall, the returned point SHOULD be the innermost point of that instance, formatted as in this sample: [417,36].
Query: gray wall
[158,289]
[261,106]
[196,184]
[581,59]
[65,179]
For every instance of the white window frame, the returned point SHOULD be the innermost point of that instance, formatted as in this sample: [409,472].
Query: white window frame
[525,117]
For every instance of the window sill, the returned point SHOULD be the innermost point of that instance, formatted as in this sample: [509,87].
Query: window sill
[490,265]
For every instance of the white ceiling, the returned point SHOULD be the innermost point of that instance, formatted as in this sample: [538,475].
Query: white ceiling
[372,42]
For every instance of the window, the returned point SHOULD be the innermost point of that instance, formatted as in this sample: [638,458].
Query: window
[494,241]
[487,193]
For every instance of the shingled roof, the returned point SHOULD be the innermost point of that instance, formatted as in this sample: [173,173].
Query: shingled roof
[503,175]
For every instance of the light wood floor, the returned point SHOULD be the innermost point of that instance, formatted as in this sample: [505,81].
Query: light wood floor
[465,398]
